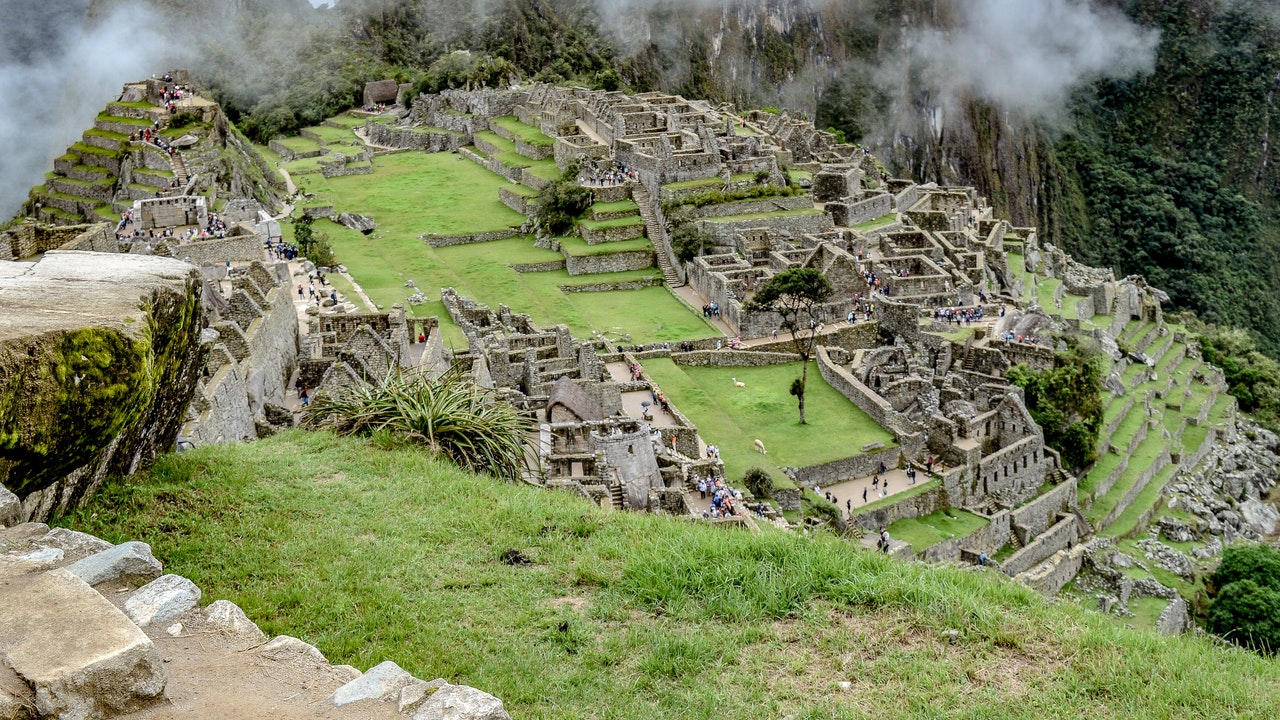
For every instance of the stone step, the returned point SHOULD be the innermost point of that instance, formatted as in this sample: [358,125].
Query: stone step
[86,173]
[105,139]
[79,653]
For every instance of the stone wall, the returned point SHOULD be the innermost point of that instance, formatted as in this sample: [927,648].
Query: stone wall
[1049,578]
[989,538]
[30,238]
[864,397]
[855,466]
[240,248]
[170,212]
[1059,536]
[746,207]
[414,139]
[97,238]
[848,214]
[614,233]
[608,262]
[723,232]
[929,501]
[514,200]
[733,358]
[447,240]
[1035,517]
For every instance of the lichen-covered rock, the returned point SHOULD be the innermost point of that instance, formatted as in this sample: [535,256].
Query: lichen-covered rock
[460,702]
[99,356]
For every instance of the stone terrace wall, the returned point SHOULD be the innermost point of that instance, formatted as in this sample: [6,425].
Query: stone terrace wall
[1035,517]
[929,501]
[395,137]
[990,537]
[447,240]
[609,262]
[241,248]
[864,397]
[733,358]
[855,466]
[1058,537]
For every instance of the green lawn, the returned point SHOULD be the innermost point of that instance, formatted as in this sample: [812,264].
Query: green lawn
[409,194]
[931,529]
[575,245]
[527,133]
[879,222]
[299,144]
[335,136]
[733,418]
[373,554]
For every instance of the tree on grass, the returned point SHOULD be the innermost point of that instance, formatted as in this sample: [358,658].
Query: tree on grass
[1246,603]
[796,295]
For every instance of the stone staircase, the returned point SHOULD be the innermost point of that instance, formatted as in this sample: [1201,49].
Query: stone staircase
[615,496]
[179,169]
[89,630]
[655,231]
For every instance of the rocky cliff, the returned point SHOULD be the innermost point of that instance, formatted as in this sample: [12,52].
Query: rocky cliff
[99,356]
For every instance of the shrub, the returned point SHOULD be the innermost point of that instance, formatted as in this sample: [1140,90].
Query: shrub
[454,417]
[758,481]
[561,202]
[1246,608]
[688,241]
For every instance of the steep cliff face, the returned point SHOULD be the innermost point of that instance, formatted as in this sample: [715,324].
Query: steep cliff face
[99,356]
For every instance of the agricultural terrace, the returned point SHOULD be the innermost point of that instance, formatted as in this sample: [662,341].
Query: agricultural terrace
[733,418]
[411,194]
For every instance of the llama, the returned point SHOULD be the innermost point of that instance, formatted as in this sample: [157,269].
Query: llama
[738,383]
[760,447]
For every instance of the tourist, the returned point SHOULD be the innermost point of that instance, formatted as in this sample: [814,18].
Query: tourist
[702,488]
[864,495]
[883,543]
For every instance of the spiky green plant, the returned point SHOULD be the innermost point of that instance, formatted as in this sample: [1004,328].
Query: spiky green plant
[455,417]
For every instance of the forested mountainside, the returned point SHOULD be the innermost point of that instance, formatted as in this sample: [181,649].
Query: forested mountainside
[1134,133]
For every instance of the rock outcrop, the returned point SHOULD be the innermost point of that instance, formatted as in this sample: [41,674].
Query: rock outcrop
[84,641]
[99,356]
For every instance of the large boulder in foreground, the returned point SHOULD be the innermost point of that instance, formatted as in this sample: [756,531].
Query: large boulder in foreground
[99,357]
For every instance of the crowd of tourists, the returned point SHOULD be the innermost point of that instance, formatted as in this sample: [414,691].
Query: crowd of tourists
[616,174]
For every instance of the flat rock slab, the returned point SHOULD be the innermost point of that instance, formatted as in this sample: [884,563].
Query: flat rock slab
[161,600]
[80,654]
[76,545]
[131,561]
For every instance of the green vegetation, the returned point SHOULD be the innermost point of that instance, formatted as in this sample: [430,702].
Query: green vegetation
[453,416]
[1246,603]
[1066,402]
[1253,378]
[527,133]
[931,529]
[373,554]
[733,418]
[561,203]
[880,222]
[720,197]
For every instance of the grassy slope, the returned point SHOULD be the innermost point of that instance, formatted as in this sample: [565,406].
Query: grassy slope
[374,554]
[733,417]
[409,194]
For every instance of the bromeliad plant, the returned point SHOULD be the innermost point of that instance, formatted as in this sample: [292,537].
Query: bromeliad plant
[453,416]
